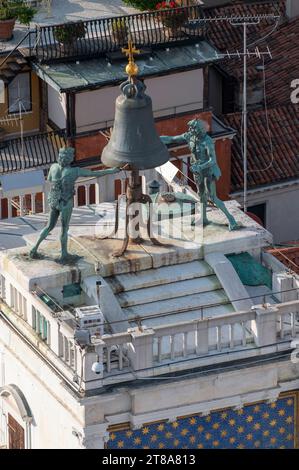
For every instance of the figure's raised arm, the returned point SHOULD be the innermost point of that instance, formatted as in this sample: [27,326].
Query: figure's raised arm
[109,171]
[173,139]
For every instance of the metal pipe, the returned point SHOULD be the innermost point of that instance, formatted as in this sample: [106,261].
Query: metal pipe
[14,49]
[245,115]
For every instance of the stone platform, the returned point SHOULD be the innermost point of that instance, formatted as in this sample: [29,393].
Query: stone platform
[95,255]
[185,278]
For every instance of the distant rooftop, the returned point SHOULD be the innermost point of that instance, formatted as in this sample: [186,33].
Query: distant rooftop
[289,256]
[99,72]
[226,36]
[281,160]
[65,10]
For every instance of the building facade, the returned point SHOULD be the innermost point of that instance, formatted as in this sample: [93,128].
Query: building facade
[73,94]
[183,362]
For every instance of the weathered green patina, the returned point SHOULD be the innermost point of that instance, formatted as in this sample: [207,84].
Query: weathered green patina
[61,198]
[204,166]
[71,290]
[250,271]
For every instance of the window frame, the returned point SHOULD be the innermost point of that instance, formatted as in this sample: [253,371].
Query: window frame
[30,93]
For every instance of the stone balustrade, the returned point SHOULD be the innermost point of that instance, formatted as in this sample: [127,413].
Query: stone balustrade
[142,352]
[148,351]
[33,201]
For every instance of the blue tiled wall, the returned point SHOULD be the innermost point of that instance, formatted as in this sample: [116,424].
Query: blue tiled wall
[260,425]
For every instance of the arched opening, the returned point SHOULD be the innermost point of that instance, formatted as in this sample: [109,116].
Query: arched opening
[18,435]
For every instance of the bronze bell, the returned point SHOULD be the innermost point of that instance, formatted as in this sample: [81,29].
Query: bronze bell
[134,138]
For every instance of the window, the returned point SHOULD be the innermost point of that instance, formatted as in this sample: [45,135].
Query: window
[24,308]
[20,304]
[44,329]
[41,325]
[12,296]
[2,92]
[259,211]
[17,302]
[2,287]
[34,313]
[16,434]
[19,93]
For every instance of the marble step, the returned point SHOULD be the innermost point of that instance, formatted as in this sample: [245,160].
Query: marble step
[168,291]
[176,305]
[204,313]
[160,276]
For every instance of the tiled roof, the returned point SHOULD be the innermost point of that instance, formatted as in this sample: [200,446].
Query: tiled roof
[225,36]
[282,41]
[288,256]
[281,69]
[284,129]
[11,68]
[284,67]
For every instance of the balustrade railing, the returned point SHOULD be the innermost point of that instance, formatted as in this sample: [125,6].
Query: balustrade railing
[144,350]
[94,37]
[201,337]
[115,354]
[32,151]
[88,191]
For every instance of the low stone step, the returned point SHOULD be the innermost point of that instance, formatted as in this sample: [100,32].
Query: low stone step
[168,291]
[155,277]
[176,305]
[201,314]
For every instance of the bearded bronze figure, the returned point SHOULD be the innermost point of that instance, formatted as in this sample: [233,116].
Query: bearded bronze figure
[204,167]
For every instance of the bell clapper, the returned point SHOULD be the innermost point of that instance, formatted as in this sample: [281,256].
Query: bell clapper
[126,149]
[135,195]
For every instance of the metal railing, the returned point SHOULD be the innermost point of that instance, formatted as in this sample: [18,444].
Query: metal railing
[91,38]
[30,151]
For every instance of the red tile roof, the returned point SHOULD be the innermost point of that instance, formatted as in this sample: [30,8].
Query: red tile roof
[284,67]
[284,129]
[288,256]
[282,41]
[225,36]
[12,67]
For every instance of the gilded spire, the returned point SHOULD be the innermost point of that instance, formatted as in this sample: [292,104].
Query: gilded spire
[132,67]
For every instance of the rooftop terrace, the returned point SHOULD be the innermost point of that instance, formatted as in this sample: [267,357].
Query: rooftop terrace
[68,37]
[63,11]
[165,309]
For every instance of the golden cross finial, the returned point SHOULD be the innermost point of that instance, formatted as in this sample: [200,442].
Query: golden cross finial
[131,68]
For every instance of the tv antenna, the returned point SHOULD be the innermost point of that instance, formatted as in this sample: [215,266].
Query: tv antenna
[244,22]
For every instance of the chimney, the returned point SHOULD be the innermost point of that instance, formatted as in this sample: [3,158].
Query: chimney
[292,8]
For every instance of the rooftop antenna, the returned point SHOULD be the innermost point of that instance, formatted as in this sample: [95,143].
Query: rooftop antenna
[245,22]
